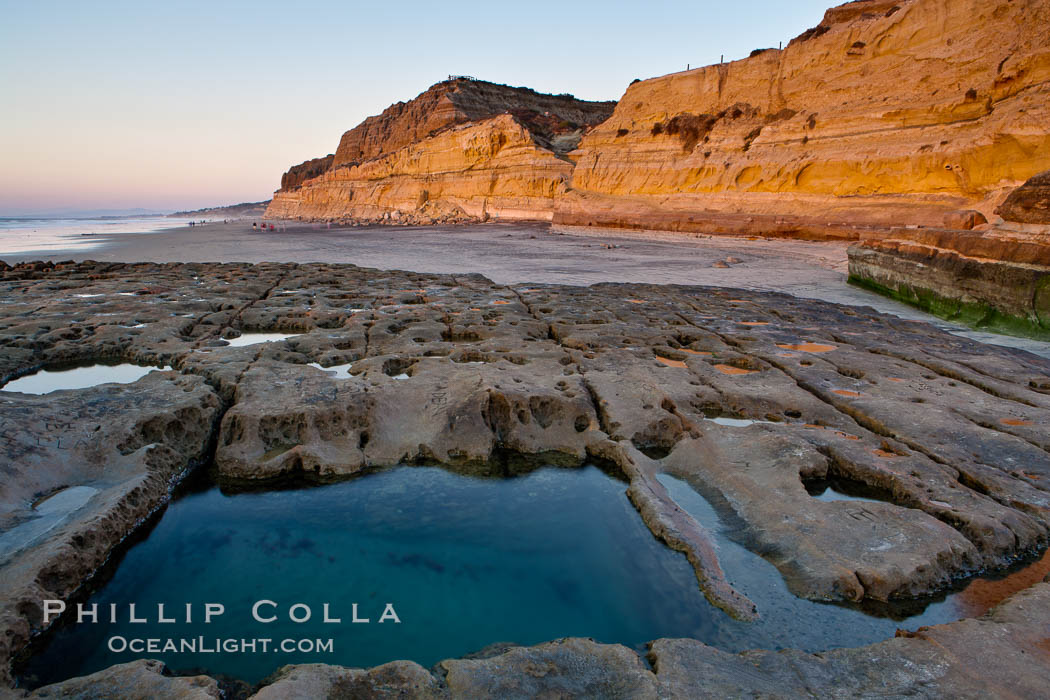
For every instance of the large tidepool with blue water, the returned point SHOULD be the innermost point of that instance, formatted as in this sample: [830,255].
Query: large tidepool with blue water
[465,562]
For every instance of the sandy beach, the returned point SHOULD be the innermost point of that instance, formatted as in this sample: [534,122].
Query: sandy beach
[511,253]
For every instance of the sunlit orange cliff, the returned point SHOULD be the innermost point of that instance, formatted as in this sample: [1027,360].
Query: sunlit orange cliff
[888,121]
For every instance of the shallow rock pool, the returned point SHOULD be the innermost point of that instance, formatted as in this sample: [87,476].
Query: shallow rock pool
[47,380]
[245,339]
[465,562]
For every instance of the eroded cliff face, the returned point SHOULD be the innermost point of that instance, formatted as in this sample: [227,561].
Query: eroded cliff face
[493,168]
[298,174]
[457,102]
[889,113]
[904,112]
[464,149]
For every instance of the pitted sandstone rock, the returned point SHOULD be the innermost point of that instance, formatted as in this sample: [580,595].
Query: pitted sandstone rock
[460,370]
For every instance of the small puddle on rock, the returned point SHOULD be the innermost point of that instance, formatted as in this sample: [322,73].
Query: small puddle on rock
[254,338]
[48,380]
[45,516]
[738,422]
[983,594]
[834,490]
[807,347]
[1018,422]
[731,370]
[340,371]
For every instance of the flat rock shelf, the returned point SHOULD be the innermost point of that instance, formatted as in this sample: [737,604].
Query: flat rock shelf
[935,449]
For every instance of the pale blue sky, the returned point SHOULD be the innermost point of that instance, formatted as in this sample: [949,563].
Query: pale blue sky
[195,103]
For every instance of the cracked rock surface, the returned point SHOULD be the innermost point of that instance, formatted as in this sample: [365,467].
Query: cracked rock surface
[457,370]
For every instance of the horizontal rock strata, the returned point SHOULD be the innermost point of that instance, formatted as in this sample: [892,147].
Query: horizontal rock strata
[298,174]
[888,117]
[494,168]
[997,277]
[889,112]
[459,371]
[998,280]
[463,150]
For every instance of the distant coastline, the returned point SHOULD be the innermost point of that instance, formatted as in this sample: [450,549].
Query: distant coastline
[233,211]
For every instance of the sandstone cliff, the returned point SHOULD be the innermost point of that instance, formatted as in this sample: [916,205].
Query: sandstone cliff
[464,149]
[298,174]
[904,112]
[887,113]
[458,101]
[997,277]
[1029,203]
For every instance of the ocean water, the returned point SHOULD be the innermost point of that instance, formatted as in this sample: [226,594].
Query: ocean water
[465,562]
[20,236]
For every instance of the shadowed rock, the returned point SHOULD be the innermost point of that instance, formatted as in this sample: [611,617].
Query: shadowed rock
[1029,203]
[138,680]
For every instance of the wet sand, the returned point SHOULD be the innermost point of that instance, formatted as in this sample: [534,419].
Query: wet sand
[512,253]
